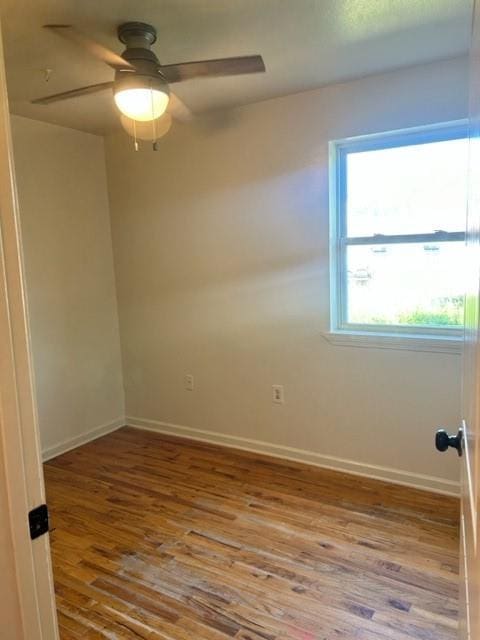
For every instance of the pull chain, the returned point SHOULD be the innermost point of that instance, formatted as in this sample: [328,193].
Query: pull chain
[135,135]
[154,124]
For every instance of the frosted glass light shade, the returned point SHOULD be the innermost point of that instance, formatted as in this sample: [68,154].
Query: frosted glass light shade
[145,130]
[141,104]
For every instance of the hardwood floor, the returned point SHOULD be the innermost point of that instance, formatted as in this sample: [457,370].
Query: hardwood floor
[167,539]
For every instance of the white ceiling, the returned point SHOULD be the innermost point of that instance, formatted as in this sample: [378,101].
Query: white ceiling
[305,44]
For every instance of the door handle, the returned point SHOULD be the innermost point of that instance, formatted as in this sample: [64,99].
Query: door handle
[444,440]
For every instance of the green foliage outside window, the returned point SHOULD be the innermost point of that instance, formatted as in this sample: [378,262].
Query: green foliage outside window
[448,314]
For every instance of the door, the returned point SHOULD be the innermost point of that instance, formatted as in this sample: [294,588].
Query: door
[470,461]
[27,563]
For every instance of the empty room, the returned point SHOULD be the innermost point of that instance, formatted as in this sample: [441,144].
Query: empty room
[239,319]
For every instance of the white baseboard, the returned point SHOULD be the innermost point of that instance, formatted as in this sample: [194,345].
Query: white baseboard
[77,441]
[387,474]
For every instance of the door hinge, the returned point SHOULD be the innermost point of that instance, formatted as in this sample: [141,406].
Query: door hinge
[38,521]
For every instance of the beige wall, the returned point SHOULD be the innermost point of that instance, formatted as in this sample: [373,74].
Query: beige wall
[221,257]
[70,281]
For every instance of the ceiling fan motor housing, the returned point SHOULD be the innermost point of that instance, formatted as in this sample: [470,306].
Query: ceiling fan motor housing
[138,38]
[137,34]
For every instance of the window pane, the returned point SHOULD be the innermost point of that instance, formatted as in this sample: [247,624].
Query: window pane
[406,284]
[405,190]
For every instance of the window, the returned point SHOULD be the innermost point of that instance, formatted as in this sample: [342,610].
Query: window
[398,213]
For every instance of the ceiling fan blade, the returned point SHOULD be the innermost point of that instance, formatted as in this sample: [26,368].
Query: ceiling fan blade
[220,67]
[178,110]
[94,48]
[73,93]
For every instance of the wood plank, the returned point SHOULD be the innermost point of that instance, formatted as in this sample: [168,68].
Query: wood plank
[162,538]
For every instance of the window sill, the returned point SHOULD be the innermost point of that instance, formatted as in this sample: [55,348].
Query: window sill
[411,342]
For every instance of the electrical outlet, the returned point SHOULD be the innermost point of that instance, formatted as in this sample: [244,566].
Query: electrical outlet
[189,382]
[278,395]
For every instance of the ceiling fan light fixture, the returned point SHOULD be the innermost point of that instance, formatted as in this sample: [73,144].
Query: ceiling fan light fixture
[141,104]
[141,98]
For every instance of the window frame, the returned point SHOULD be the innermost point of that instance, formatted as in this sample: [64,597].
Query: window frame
[339,241]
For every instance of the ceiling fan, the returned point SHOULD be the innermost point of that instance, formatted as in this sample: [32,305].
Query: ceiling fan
[141,84]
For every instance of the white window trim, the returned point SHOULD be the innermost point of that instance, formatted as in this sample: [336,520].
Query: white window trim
[412,342]
[437,339]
